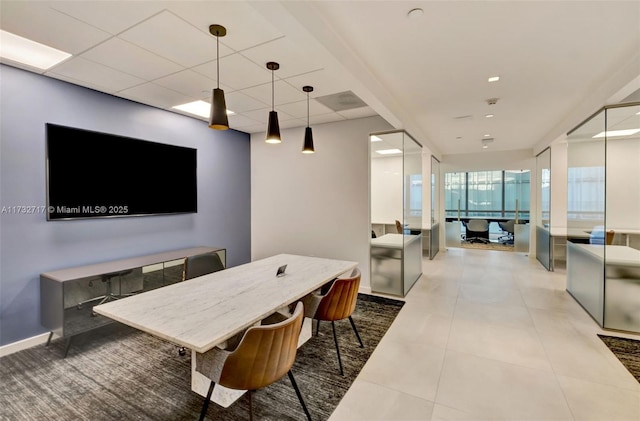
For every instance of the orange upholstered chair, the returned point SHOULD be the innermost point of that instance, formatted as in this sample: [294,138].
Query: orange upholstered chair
[337,304]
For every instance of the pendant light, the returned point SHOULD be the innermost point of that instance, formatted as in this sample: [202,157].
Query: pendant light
[308,135]
[218,116]
[273,128]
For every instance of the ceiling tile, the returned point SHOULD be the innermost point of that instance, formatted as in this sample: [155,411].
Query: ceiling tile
[236,71]
[189,83]
[322,81]
[283,93]
[263,114]
[171,37]
[289,124]
[111,16]
[326,118]
[299,109]
[96,74]
[48,26]
[156,95]
[256,128]
[236,17]
[131,59]
[293,60]
[239,102]
[238,120]
[358,112]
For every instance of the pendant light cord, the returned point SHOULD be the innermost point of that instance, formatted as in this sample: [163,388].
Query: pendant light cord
[272,92]
[218,58]
[307,109]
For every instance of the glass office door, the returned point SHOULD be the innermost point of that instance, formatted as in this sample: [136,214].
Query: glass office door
[544,246]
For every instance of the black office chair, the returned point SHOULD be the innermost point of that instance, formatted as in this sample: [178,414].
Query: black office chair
[508,227]
[477,231]
[201,264]
[109,294]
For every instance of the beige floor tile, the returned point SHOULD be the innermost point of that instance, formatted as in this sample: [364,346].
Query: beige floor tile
[367,401]
[414,325]
[580,357]
[505,344]
[596,402]
[502,315]
[444,413]
[497,390]
[407,367]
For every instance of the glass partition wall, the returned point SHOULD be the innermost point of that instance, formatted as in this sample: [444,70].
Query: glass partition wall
[603,216]
[434,235]
[544,252]
[396,212]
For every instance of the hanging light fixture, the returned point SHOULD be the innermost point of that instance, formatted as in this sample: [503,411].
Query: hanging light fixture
[218,116]
[308,135]
[273,128]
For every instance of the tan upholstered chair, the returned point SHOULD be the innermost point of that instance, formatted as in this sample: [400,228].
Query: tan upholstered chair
[201,264]
[399,227]
[338,303]
[263,356]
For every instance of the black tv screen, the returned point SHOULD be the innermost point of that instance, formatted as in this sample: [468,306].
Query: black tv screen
[96,175]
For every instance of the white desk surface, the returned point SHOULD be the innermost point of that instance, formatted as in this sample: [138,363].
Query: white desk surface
[569,232]
[393,240]
[615,255]
[205,311]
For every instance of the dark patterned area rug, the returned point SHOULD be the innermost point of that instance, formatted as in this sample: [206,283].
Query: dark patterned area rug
[627,351]
[119,373]
[487,246]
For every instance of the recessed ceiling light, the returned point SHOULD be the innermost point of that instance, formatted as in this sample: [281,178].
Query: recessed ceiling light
[489,115]
[199,108]
[614,133]
[415,13]
[638,113]
[487,135]
[485,146]
[375,138]
[388,151]
[494,79]
[31,53]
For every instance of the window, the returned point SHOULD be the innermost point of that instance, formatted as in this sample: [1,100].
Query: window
[488,193]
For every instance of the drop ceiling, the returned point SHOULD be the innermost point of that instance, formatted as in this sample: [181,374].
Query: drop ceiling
[558,61]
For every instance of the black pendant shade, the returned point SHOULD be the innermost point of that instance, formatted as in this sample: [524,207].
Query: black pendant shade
[308,134]
[273,128]
[218,116]
[308,141]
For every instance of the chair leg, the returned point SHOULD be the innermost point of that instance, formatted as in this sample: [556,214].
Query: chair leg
[295,387]
[250,393]
[317,327]
[335,339]
[353,325]
[205,405]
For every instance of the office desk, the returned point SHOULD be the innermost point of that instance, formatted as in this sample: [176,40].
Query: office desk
[203,312]
[396,263]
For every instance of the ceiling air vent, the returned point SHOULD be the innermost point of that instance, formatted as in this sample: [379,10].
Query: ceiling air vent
[341,101]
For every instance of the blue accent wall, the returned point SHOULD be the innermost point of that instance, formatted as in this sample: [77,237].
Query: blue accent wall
[30,245]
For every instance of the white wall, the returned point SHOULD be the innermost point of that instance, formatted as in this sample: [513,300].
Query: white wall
[316,204]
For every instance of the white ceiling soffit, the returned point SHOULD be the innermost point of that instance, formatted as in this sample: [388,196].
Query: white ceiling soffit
[558,61]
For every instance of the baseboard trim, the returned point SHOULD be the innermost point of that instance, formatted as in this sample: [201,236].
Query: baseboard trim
[24,344]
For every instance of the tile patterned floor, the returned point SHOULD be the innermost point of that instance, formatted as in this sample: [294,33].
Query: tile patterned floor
[490,335]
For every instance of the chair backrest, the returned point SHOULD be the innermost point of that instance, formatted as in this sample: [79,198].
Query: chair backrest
[598,236]
[399,227]
[201,264]
[507,226]
[340,300]
[478,225]
[265,354]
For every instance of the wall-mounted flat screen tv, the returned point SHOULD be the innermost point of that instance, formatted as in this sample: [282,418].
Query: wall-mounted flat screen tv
[97,175]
